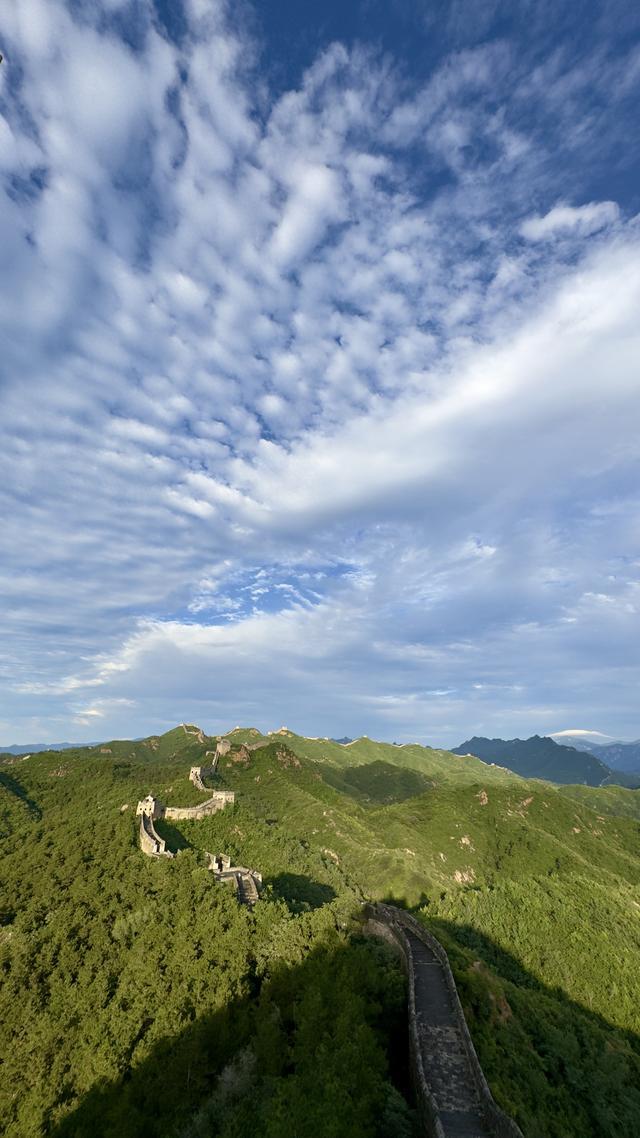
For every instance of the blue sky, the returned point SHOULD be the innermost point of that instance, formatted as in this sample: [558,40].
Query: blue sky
[319,383]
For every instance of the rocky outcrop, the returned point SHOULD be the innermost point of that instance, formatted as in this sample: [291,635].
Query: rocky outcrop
[453,1095]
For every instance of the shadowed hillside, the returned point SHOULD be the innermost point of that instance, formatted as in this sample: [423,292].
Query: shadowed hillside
[559,1068]
[539,757]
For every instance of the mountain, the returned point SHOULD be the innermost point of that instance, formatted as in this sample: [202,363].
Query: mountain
[539,757]
[618,756]
[38,748]
[137,991]
[581,740]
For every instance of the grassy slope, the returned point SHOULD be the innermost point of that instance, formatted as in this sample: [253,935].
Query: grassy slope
[607,799]
[470,819]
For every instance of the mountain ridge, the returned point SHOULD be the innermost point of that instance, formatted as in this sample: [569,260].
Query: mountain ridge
[618,754]
[539,757]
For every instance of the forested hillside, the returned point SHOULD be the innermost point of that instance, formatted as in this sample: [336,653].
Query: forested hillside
[139,996]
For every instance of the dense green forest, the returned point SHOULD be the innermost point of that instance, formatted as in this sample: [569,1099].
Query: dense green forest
[138,996]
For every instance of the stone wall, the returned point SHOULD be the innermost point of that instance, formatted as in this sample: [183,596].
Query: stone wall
[193,729]
[150,808]
[197,775]
[219,799]
[427,1108]
[150,842]
[246,882]
[390,923]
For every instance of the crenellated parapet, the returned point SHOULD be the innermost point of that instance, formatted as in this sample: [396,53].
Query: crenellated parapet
[150,807]
[197,775]
[218,800]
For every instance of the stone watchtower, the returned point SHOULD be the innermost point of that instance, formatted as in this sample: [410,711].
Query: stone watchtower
[149,806]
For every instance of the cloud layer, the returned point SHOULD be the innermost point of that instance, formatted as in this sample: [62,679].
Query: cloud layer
[316,407]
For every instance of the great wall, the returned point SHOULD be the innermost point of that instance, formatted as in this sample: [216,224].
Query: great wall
[246,882]
[452,1093]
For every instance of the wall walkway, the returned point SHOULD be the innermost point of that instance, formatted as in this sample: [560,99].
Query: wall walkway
[453,1094]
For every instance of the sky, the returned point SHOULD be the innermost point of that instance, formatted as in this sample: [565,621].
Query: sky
[319,367]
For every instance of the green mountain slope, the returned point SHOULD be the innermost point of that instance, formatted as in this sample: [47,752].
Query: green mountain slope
[139,991]
[607,799]
[446,766]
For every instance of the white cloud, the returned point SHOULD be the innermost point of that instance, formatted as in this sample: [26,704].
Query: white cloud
[563,220]
[303,421]
[580,731]
[314,202]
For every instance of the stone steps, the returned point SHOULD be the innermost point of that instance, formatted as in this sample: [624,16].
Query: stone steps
[444,1056]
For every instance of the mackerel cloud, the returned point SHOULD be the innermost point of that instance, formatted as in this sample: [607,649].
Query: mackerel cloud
[317,407]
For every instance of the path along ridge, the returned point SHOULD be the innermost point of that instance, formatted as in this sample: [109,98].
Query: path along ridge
[453,1095]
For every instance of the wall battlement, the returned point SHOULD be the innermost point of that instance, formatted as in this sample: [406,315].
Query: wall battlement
[246,882]
[218,800]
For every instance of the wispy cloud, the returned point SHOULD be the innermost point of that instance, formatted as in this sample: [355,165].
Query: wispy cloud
[567,219]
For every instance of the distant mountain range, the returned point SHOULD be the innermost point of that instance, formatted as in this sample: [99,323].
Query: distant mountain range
[619,756]
[540,757]
[574,761]
[37,748]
